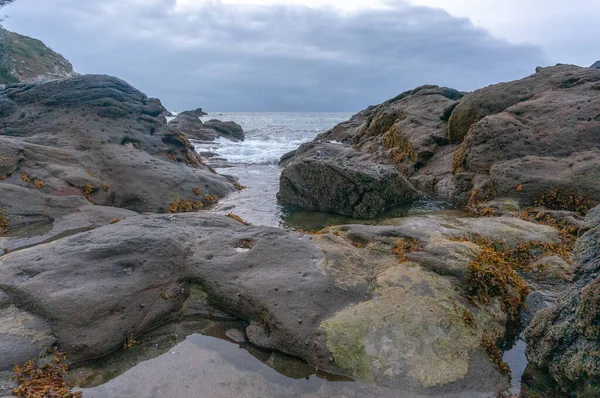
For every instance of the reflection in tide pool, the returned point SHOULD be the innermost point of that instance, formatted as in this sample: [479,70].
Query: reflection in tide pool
[207,367]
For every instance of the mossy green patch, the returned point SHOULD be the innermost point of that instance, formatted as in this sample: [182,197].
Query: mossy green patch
[413,329]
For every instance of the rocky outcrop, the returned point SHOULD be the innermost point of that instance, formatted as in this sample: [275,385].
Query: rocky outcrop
[596,65]
[564,340]
[97,138]
[550,120]
[532,142]
[189,123]
[230,130]
[23,59]
[382,304]
[335,178]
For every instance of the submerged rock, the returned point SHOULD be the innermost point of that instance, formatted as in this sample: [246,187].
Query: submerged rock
[564,340]
[334,178]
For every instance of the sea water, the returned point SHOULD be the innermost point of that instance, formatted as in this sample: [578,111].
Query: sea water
[254,161]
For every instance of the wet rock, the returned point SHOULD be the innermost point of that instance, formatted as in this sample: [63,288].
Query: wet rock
[98,138]
[563,339]
[337,179]
[230,130]
[364,312]
[35,217]
[22,336]
[190,124]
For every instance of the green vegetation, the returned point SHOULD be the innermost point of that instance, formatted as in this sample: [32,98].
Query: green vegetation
[22,58]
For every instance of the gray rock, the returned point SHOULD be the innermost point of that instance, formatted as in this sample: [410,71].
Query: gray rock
[190,124]
[335,178]
[98,138]
[536,135]
[323,300]
[595,65]
[230,130]
[517,140]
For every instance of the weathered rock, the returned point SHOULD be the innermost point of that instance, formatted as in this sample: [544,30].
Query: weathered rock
[534,140]
[98,138]
[344,307]
[230,130]
[190,124]
[537,134]
[595,65]
[335,178]
[410,131]
[199,112]
[38,218]
[563,340]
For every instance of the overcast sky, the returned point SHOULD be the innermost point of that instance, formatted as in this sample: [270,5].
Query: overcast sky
[311,55]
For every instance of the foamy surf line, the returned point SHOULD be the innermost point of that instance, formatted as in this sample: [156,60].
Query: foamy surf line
[250,151]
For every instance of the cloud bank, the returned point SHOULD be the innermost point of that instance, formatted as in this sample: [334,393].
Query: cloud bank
[227,57]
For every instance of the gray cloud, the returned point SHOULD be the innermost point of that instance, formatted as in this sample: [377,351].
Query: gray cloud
[275,58]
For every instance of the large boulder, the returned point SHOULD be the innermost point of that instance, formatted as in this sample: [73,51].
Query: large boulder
[98,138]
[538,136]
[595,65]
[338,179]
[347,301]
[564,340]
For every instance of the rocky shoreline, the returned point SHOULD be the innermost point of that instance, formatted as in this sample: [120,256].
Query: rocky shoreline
[94,254]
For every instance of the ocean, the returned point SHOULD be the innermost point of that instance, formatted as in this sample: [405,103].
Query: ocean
[254,162]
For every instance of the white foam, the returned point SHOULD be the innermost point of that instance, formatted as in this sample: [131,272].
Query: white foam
[264,150]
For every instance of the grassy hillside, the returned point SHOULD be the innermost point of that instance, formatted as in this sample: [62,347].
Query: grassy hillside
[24,59]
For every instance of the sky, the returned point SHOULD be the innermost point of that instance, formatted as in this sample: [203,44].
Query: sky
[310,55]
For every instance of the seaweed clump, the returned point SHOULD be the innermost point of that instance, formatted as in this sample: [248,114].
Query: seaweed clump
[407,246]
[493,274]
[3,224]
[491,347]
[45,381]
[400,148]
[238,219]
[189,205]
[557,199]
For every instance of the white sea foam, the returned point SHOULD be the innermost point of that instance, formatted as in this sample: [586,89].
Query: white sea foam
[268,135]
[252,151]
